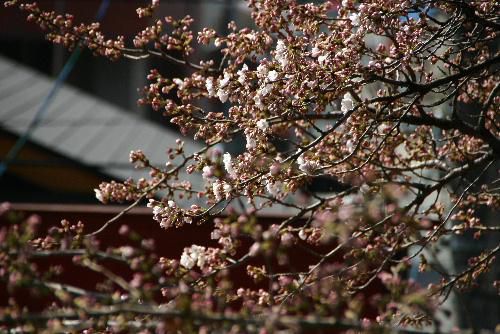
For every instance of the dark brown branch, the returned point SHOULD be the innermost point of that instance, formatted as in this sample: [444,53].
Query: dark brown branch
[455,124]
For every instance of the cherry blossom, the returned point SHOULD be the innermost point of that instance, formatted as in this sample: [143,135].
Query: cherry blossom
[364,194]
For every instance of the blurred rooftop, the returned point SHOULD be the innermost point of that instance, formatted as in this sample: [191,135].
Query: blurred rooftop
[78,127]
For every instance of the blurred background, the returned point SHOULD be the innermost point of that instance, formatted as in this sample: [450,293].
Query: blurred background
[86,126]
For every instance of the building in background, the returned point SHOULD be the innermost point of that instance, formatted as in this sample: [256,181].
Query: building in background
[93,122]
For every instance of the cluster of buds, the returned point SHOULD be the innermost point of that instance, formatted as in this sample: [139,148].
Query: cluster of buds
[139,159]
[343,112]
[204,258]
[168,214]
[148,10]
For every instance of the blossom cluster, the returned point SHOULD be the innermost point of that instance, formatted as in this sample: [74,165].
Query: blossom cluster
[372,126]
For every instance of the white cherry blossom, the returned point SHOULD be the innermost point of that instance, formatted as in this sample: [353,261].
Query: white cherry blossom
[228,165]
[227,189]
[262,71]
[354,17]
[223,95]
[98,195]
[258,102]
[265,90]
[193,256]
[242,74]
[207,172]
[347,103]
[273,188]
[307,166]
[225,81]
[216,189]
[187,261]
[262,125]
[179,83]
[281,53]
[251,143]
[209,84]
[315,52]
[272,75]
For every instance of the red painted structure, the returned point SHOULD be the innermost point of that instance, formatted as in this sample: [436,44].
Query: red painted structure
[169,243]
